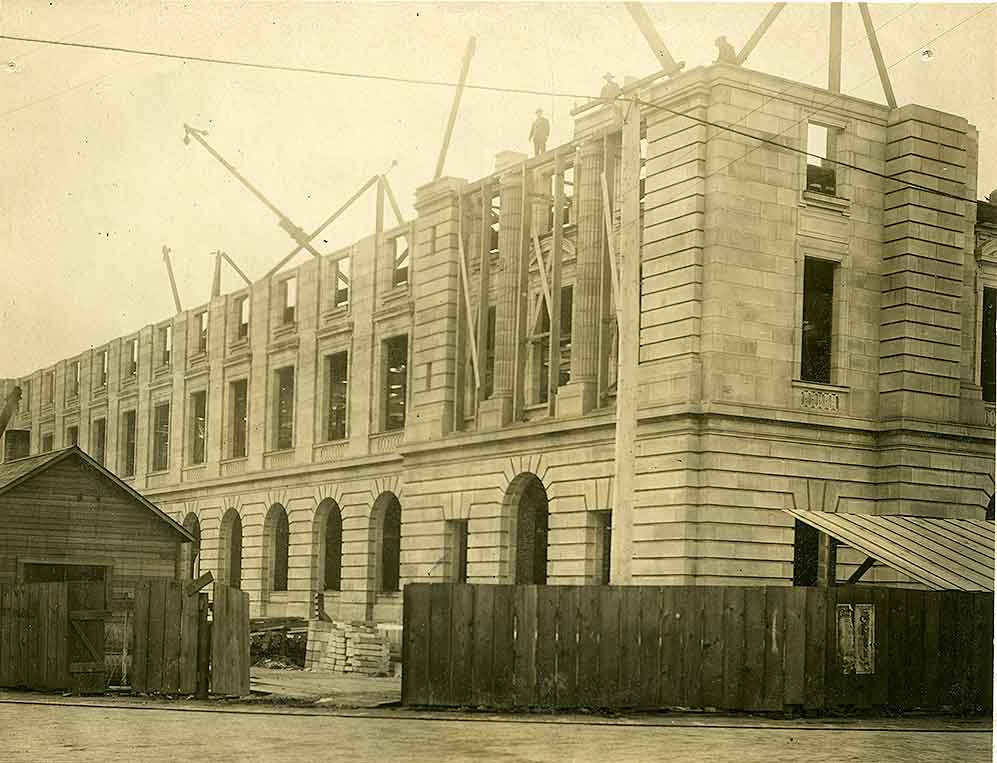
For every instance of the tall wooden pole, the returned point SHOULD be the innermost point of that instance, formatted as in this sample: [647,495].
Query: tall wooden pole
[757,35]
[877,54]
[461,81]
[173,280]
[628,314]
[834,49]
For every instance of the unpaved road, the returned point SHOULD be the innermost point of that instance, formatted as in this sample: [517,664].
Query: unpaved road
[54,732]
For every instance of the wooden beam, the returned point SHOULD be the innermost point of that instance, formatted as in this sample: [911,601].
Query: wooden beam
[237,269]
[465,283]
[173,280]
[757,35]
[614,272]
[193,586]
[484,267]
[545,287]
[877,54]
[827,561]
[392,201]
[862,570]
[651,36]
[834,49]
[628,312]
[461,81]
[325,224]
[557,255]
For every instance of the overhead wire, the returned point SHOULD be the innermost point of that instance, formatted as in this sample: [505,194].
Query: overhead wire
[522,91]
[841,96]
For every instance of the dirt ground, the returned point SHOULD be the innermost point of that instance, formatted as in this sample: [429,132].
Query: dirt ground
[39,727]
[323,687]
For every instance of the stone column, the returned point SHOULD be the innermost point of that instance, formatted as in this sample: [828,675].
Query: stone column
[579,395]
[497,410]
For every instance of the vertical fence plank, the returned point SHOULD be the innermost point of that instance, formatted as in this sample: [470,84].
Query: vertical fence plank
[775,632]
[140,637]
[461,640]
[898,642]
[629,646]
[932,647]
[524,608]
[243,626]
[5,617]
[45,649]
[417,644]
[219,639]
[546,659]
[794,654]
[567,647]
[438,658]
[503,647]
[188,643]
[171,637]
[915,654]
[984,667]
[670,659]
[713,648]
[733,656]
[650,647]
[879,686]
[963,647]
[754,649]
[692,645]
[588,645]
[609,656]
[481,691]
[157,631]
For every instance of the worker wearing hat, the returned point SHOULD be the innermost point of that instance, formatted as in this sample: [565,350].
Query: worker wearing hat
[539,133]
[610,90]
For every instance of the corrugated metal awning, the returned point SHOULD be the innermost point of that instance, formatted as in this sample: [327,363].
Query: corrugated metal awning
[943,554]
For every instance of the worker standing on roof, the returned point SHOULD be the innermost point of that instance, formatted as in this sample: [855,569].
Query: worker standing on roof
[539,133]
[610,90]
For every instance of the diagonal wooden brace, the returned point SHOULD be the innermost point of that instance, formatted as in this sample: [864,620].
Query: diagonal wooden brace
[472,342]
[614,272]
[884,75]
[543,273]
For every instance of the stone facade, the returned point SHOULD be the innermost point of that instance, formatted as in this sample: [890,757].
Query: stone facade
[729,431]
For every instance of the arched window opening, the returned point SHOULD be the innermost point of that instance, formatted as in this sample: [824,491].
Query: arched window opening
[386,537]
[191,552]
[529,500]
[231,547]
[332,547]
[278,535]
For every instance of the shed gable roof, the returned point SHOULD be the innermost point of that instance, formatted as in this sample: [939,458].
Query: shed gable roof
[14,473]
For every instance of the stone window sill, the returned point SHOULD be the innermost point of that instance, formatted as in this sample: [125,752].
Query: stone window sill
[824,201]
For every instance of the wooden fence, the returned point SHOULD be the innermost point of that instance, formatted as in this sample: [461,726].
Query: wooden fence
[723,647]
[230,642]
[52,636]
[176,650]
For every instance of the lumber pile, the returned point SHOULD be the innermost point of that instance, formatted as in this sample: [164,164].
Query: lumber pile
[353,647]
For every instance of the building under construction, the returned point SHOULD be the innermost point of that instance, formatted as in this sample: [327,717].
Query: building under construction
[807,289]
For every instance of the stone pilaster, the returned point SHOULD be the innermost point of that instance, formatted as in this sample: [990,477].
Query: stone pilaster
[497,410]
[436,297]
[579,396]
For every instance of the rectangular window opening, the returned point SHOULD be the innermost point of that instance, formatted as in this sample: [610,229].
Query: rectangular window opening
[198,426]
[201,321]
[336,381]
[603,544]
[240,418]
[242,310]
[457,551]
[73,380]
[99,440]
[821,176]
[395,382]
[289,289]
[16,444]
[400,251]
[161,437]
[342,296]
[818,314]
[165,345]
[72,436]
[101,368]
[48,442]
[128,443]
[284,408]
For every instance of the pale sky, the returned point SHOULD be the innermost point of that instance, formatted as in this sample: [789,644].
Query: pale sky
[96,177]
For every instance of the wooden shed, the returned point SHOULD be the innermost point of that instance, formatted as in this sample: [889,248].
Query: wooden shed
[63,516]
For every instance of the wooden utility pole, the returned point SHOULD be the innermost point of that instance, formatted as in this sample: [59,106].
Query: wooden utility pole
[628,316]
[461,81]
[834,49]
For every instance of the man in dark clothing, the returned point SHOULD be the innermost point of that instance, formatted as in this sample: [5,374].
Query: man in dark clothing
[539,133]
